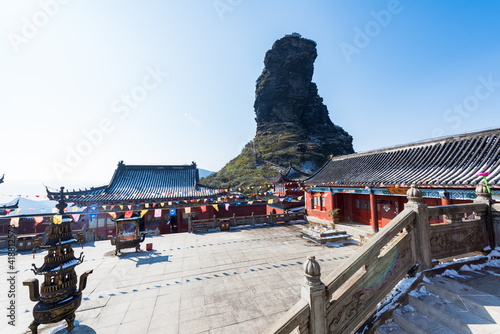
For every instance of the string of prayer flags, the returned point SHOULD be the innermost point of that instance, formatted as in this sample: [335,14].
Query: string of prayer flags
[128,214]
[57,219]
[143,212]
[38,220]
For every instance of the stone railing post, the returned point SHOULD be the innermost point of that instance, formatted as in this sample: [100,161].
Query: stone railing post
[271,218]
[234,219]
[314,292]
[286,216]
[483,196]
[422,227]
[253,219]
[190,224]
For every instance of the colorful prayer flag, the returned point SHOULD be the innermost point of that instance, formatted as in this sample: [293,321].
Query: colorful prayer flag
[57,219]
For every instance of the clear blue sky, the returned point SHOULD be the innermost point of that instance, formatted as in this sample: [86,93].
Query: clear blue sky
[389,72]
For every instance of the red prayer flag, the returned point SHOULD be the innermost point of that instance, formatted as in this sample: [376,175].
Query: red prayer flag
[128,214]
[203,208]
[38,220]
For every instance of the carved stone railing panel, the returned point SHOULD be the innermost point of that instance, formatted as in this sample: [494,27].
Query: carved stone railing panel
[458,238]
[353,303]
[369,250]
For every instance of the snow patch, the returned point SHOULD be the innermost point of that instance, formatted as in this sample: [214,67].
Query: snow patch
[452,274]
[420,292]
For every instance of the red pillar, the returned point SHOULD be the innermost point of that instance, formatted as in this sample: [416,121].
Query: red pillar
[374,214]
[446,200]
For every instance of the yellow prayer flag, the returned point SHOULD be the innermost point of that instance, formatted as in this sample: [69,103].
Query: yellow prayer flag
[57,219]
[270,201]
[216,206]
[162,204]
[19,210]
[143,212]
[250,202]
[75,209]
[121,207]
[112,214]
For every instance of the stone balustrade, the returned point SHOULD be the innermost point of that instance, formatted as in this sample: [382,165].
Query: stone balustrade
[253,220]
[347,297]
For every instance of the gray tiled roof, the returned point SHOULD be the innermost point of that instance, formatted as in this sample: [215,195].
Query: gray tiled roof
[290,174]
[454,160]
[140,182]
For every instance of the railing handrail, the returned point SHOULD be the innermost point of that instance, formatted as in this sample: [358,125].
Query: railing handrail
[369,250]
[293,318]
[456,208]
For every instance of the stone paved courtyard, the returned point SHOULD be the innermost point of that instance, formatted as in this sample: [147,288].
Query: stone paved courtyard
[239,281]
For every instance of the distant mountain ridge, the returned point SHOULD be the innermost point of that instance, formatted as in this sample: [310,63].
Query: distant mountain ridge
[293,124]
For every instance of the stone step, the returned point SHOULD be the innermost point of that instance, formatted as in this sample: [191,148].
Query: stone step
[447,313]
[390,328]
[479,302]
[413,321]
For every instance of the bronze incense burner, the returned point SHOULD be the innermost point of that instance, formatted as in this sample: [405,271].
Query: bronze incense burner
[58,297]
[127,234]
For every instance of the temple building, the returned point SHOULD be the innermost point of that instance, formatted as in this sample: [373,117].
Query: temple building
[288,182]
[370,188]
[169,193]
